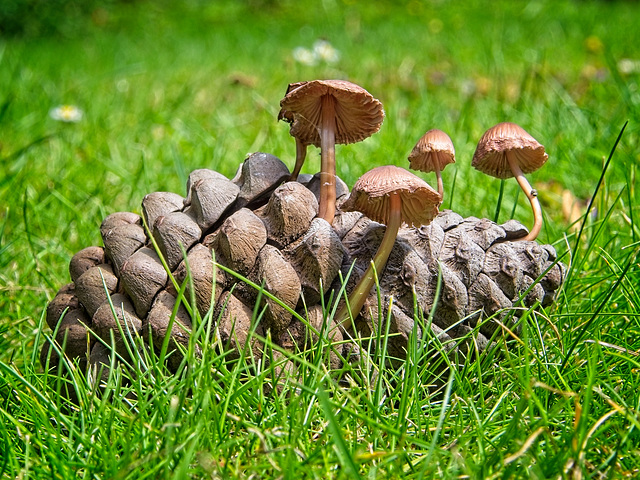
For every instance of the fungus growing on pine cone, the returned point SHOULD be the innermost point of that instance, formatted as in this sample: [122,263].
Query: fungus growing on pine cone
[277,241]
[262,257]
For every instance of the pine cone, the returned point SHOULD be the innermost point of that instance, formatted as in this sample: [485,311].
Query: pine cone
[268,232]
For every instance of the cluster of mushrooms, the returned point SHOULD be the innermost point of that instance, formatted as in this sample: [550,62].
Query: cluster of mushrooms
[295,257]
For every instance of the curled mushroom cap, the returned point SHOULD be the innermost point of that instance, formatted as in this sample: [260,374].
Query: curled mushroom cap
[371,196]
[491,153]
[358,114]
[301,142]
[326,112]
[432,153]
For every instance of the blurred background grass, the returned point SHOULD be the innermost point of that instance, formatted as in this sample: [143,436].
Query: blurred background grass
[167,87]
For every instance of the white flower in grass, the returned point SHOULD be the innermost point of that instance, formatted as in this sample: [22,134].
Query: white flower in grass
[326,52]
[305,56]
[66,113]
[627,66]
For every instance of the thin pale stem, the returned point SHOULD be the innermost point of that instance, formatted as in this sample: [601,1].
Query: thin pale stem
[364,286]
[301,155]
[327,207]
[440,184]
[531,194]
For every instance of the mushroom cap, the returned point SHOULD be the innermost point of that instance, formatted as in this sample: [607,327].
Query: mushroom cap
[287,115]
[433,151]
[490,156]
[358,114]
[371,196]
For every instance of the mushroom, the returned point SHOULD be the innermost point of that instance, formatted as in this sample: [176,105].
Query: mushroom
[507,150]
[432,153]
[389,195]
[326,112]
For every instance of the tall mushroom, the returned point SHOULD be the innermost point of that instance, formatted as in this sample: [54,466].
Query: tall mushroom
[389,195]
[432,153]
[326,112]
[507,150]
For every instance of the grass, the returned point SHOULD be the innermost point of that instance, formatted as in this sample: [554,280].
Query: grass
[169,88]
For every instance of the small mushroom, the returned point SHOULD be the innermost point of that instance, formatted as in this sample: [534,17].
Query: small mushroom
[326,112]
[432,153]
[389,195]
[507,150]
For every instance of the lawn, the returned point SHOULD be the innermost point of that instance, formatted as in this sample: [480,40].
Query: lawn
[168,87]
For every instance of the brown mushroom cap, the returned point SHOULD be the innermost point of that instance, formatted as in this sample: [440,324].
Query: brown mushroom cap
[358,114]
[490,156]
[370,195]
[286,115]
[434,151]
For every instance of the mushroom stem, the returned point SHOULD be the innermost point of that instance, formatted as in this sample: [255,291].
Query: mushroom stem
[301,155]
[327,206]
[360,293]
[440,185]
[531,194]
